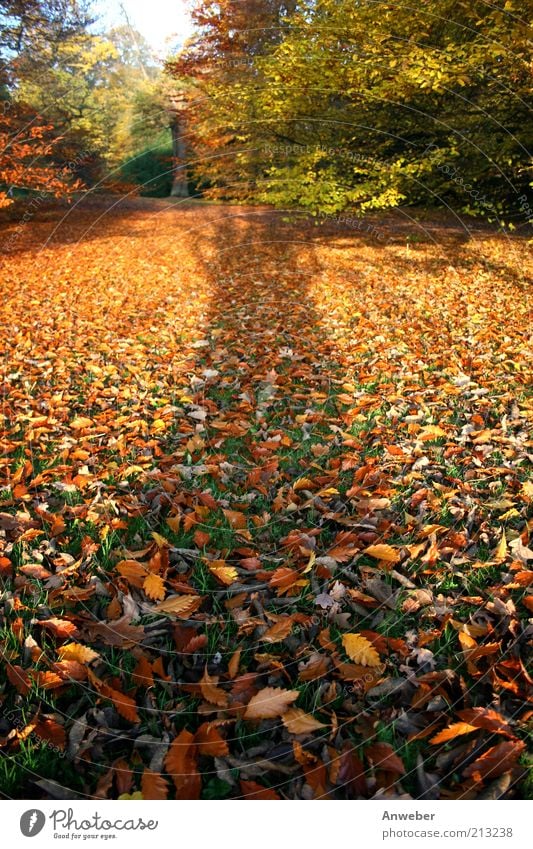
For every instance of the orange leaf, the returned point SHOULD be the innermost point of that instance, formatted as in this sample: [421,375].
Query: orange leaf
[253,790]
[153,785]
[452,731]
[211,692]
[134,572]
[233,665]
[237,520]
[52,732]
[59,627]
[496,760]
[210,742]
[47,680]
[180,763]
[179,605]
[19,678]
[278,631]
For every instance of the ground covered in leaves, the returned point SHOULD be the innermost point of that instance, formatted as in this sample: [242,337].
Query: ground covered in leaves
[264,506]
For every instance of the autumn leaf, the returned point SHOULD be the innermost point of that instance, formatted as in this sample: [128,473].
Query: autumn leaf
[154,587]
[179,605]
[181,765]
[81,422]
[61,628]
[210,742]
[78,652]
[496,760]
[360,650]
[19,678]
[211,692]
[297,721]
[252,790]
[224,574]
[153,785]
[383,757]
[270,703]
[278,631]
[237,520]
[133,571]
[383,552]
[452,731]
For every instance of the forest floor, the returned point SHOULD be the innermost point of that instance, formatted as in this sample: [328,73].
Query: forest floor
[264,506]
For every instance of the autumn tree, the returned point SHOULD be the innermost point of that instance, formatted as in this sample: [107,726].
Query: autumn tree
[219,73]
[365,105]
[28,141]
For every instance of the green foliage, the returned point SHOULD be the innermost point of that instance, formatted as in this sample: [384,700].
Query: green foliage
[365,105]
[150,170]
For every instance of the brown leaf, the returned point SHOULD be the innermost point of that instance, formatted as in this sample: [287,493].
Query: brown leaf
[383,757]
[270,703]
[496,760]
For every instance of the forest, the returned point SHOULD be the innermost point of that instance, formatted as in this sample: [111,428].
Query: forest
[265,429]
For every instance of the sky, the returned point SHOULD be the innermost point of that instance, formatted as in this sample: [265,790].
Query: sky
[162,22]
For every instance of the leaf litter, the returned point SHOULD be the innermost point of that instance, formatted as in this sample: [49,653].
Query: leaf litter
[265,528]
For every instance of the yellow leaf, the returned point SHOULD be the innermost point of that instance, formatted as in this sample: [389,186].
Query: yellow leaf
[80,422]
[501,550]
[360,650]
[174,522]
[297,721]
[302,483]
[225,574]
[154,587]
[161,541]
[270,702]
[431,432]
[75,651]
[383,552]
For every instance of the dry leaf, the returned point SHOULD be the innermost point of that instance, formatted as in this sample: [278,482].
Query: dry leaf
[360,650]
[269,703]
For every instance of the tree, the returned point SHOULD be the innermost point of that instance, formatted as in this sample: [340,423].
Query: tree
[28,144]
[219,75]
[364,105]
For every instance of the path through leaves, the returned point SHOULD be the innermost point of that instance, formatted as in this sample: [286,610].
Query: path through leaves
[264,523]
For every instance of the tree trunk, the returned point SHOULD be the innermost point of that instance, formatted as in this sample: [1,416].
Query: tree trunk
[180,188]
